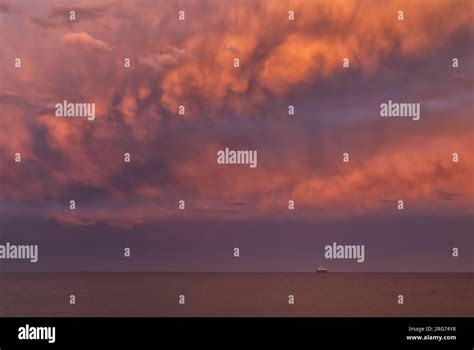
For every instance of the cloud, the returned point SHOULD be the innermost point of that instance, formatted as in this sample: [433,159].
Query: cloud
[85,40]
[4,7]
[448,196]
[84,12]
[168,57]
[310,49]
[281,63]
[42,22]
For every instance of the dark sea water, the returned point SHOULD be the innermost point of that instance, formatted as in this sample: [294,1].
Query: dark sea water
[236,294]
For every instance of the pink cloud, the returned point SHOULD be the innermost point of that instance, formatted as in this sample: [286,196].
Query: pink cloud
[85,40]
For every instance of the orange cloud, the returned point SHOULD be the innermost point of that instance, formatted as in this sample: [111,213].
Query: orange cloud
[191,63]
[278,54]
[85,40]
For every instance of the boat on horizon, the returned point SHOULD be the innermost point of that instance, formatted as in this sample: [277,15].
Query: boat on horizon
[321,270]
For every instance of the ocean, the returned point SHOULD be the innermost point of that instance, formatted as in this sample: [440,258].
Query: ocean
[236,294]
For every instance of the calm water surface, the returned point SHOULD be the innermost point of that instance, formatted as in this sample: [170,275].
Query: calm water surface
[236,294]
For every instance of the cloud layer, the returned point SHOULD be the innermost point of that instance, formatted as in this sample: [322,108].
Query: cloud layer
[191,63]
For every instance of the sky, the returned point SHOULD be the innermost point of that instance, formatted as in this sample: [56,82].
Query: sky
[173,157]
